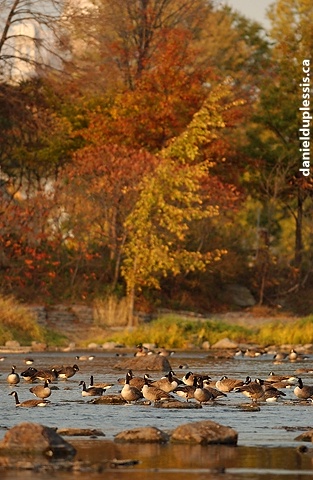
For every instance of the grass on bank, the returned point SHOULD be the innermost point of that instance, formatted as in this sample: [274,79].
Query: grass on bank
[171,331]
[18,323]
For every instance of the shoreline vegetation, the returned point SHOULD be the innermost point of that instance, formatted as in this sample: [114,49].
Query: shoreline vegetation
[168,330]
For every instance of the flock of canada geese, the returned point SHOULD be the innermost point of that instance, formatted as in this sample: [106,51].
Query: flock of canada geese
[191,386]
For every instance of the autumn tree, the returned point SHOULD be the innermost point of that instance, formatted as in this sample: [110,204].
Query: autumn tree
[98,192]
[131,30]
[164,100]
[170,202]
[31,38]
[279,182]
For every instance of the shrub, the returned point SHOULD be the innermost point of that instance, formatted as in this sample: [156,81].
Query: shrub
[18,323]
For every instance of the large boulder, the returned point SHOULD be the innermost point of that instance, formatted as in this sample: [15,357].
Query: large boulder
[204,433]
[147,363]
[33,438]
[225,343]
[142,435]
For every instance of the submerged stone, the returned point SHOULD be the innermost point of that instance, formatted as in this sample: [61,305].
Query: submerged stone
[204,433]
[109,400]
[142,435]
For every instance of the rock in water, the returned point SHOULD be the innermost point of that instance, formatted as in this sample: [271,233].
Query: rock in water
[204,433]
[148,363]
[33,438]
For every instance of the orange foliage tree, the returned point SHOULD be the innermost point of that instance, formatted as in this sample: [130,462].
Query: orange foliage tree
[100,190]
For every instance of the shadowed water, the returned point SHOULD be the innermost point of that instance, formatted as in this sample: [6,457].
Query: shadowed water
[266,439]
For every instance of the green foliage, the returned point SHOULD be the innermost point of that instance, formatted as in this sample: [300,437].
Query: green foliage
[54,339]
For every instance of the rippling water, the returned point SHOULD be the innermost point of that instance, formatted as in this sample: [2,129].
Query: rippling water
[266,439]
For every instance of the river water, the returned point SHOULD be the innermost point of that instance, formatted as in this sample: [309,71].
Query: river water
[266,438]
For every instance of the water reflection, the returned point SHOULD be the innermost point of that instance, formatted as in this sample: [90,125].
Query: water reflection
[162,461]
[266,446]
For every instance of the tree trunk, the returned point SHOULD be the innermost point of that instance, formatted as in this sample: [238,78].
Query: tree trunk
[298,238]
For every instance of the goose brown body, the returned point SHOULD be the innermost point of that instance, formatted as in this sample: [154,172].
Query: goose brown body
[303,391]
[154,394]
[103,385]
[41,391]
[67,371]
[226,384]
[167,383]
[90,391]
[130,393]
[202,394]
[29,403]
[252,390]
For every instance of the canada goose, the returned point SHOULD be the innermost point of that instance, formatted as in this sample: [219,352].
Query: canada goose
[303,391]
[165,353]
[167,383]
[253,352]
[226,384]
[29,403]
[239,353]
[188,379]
[202,394]
[130,393]
[252,390]
[183,366]
[214,391]
[91,391]
[29,374]
[41,391]
[137,382]
[44,375]
[154,394]
[185,391]
[294,356]
[142,351]
[280,356]
[304,370]
[84,358]
[28,361]
[13,378]
[103,385]
[68,371]
[282,380]
[271,393]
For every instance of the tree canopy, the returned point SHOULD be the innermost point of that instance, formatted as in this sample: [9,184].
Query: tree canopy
[150,149]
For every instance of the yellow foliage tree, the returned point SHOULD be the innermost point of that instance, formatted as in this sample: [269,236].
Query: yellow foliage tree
[171,200]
